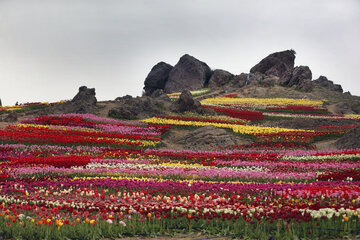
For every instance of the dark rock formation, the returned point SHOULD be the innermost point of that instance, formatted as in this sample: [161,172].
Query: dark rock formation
[85,96]
[240,80]
[186,103]
[206,138]
[188,74]
[300,74]
[220,78]
[306,85]
[275,64]
[324,82]
[136,108]
[0,103]
[350,139]
[157,78]
[83,102]
[300,77]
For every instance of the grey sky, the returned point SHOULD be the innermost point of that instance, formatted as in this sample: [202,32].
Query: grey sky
[49,48]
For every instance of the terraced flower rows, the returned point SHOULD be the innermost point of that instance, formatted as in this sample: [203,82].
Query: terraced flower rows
[80,176]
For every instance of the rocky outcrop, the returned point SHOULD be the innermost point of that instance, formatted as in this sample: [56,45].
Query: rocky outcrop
[186,103]
[220,78]
[136,108]
[0,103]
[275,64]
[324,82]
[85,96]
[240,80]
[206,138]
[157,78]
[83,102]
[188,74]
[300,77]
[350,139]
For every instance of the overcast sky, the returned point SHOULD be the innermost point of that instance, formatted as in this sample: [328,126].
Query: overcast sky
[49,48]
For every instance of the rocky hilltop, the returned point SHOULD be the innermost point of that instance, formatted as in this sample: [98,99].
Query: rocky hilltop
[275,76]
[276,69]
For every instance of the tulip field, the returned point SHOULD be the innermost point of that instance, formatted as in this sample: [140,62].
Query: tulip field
[81,176]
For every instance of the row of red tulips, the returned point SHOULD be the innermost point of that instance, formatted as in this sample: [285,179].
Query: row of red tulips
[54,138]
[86,133]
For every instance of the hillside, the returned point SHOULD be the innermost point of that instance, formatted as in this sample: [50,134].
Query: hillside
[269,154]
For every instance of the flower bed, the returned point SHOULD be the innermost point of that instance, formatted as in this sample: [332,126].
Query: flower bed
[80,177]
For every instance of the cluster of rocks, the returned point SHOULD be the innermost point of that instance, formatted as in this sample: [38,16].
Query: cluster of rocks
[137,108]
[324,82]
[145,106]
[83,102]
[276,64]
[190,73]
[186,103]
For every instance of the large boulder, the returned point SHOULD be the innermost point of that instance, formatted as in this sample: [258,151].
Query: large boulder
[275,64]
[206,138]
[324,82]
[83,102]
[188,74]
[186,103]
[136,108]
[350,139]
[240,80]
[300,77]
[157,78]
[300,74]
[220,78]
[85,96]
